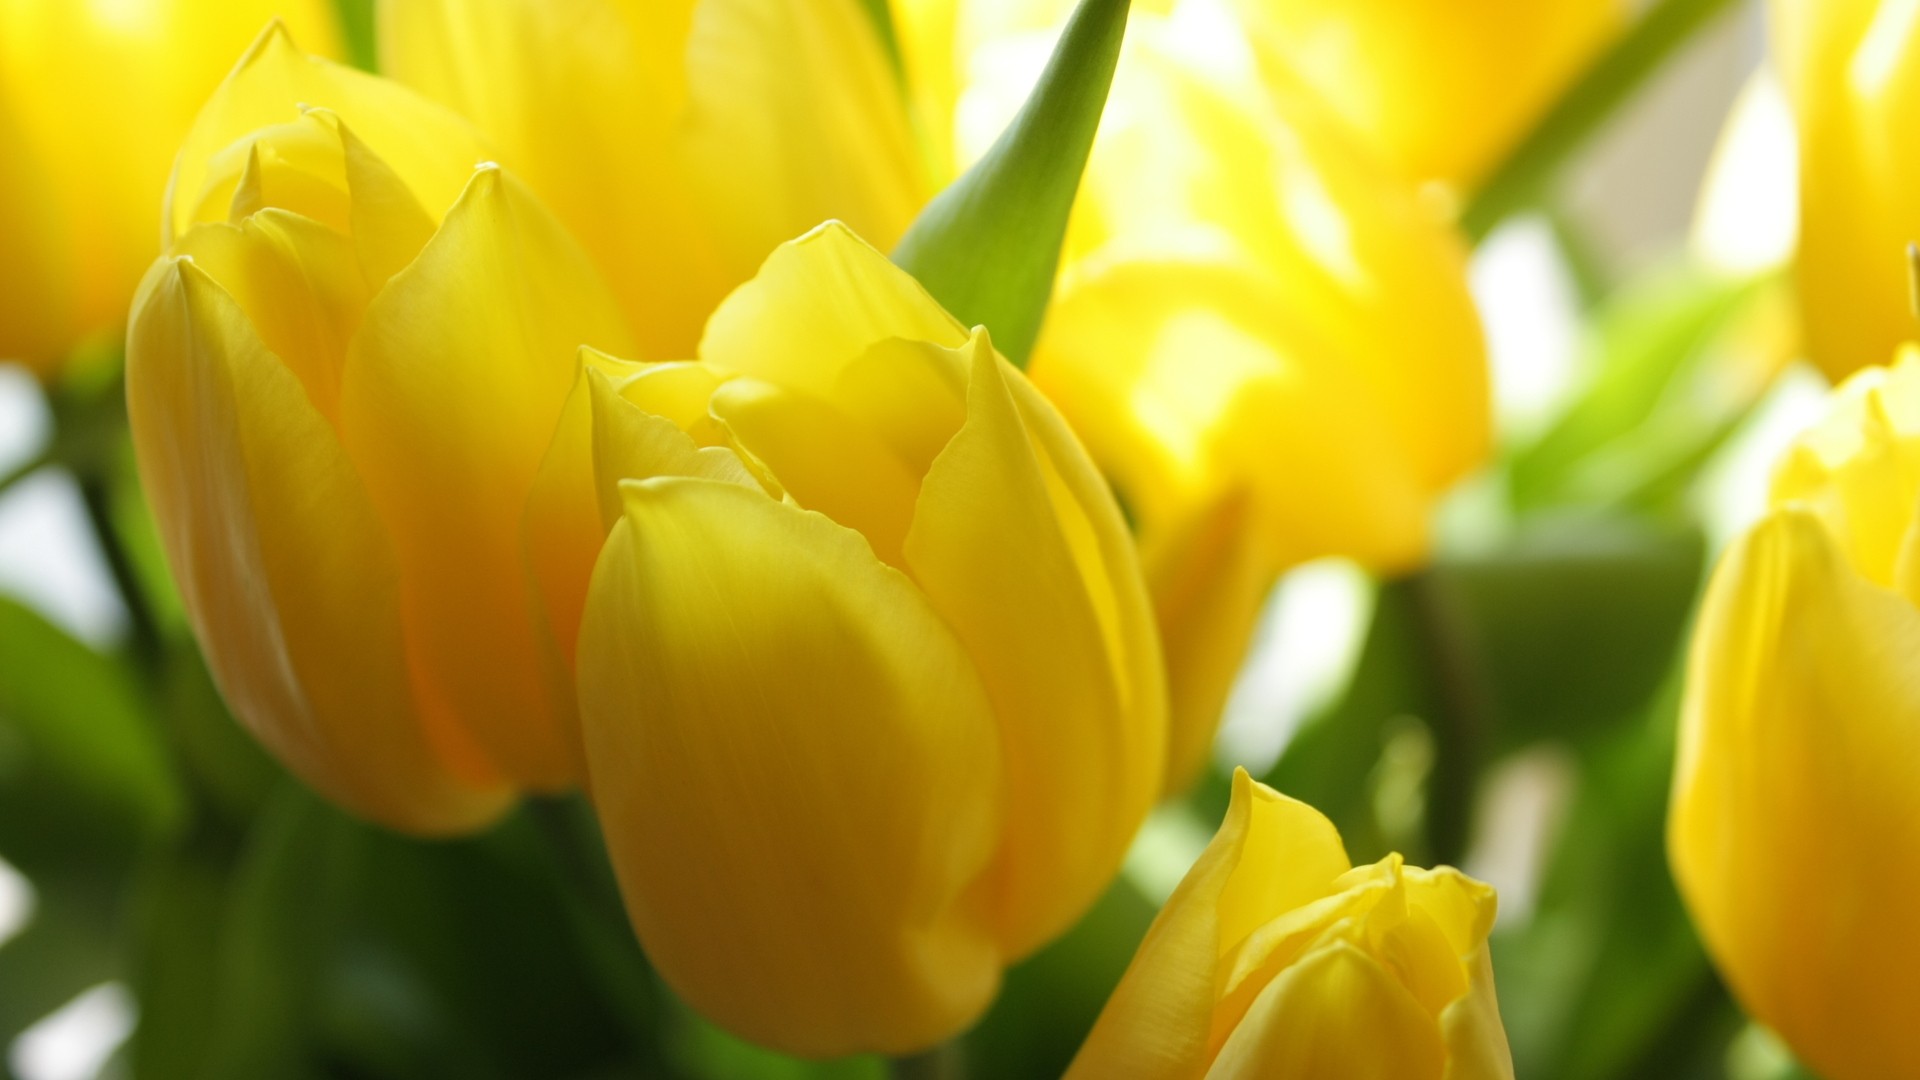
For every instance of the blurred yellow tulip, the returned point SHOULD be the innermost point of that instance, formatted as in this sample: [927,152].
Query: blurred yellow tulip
[342,378]
[1442,89]
[1263,339]
[681,140]
[94,98]
[1277,959]
[1852,71]
[1795,828]
[867,673]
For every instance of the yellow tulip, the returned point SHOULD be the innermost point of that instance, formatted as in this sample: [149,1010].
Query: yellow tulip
[94,99]
[1277,959]
[342,379]
[1795,827]
[867,674]
[1852,70]
[1441,89]
[1264,341]
[681,140]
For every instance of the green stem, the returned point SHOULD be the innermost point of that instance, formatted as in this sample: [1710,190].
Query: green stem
[944,1062]
[1458,716]
[143,627]
[26,468]
[1581,111]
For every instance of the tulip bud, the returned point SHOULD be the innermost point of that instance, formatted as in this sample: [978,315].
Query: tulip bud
[1277,959]
[342,378]
[1795,825]
[1852,72]
[680,141]
[867,674]
[1264,340]
[93,101]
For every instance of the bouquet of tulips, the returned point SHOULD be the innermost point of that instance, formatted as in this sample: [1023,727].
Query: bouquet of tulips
[832,539]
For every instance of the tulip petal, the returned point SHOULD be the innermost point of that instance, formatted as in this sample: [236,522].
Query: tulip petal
[427,146]
[1270,851]
[1011,561]
[449,402]
[288,579]
[1335,1015]
[797,117]
[1795,828]
[795,767]
[818,305]
[586,100]
[1471,1027]
[300,285]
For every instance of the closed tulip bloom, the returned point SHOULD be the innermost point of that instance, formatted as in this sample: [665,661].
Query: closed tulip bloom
[94,99]
[1852,71]
[681,140]
[867,674]
[1795,827]
[1264,341]
[1277,959]
[342,378]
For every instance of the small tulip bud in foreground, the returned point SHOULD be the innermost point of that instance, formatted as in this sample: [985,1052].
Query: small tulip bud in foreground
[867,674]
[342,377]
[1795,828]
[1276,959]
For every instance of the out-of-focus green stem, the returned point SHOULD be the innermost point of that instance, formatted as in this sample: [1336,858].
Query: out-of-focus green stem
[1458,717]
[1621,71]
[26,468]
[143,628]
[945,1062]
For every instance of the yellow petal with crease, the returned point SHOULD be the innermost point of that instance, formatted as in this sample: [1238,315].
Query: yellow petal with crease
[263,522]
[586,100]
[1795,827]
[995,547]
[796,117]
[796,769]
[817,305]
[1270,849]
[430,148]
[449,402]
[1335,1015]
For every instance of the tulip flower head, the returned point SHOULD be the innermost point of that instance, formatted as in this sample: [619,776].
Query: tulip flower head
[867,674]
[1277,959]
[1264,339]
[1795,827]
[681,140]
[342,378]
[1852,73]
[94,99]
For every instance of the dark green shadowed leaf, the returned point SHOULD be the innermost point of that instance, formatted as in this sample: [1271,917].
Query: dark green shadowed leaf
[988,246]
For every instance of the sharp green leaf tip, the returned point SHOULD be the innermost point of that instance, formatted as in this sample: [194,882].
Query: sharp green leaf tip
[987,247]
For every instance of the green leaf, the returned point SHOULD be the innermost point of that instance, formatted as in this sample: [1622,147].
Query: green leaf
[82,773]
[1585,107]
[987,247]
[1659,399]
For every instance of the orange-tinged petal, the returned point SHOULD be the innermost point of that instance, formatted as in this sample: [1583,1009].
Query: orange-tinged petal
[796,769]
[1018,567]
[449,402]
[290,584]
[1795,828]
